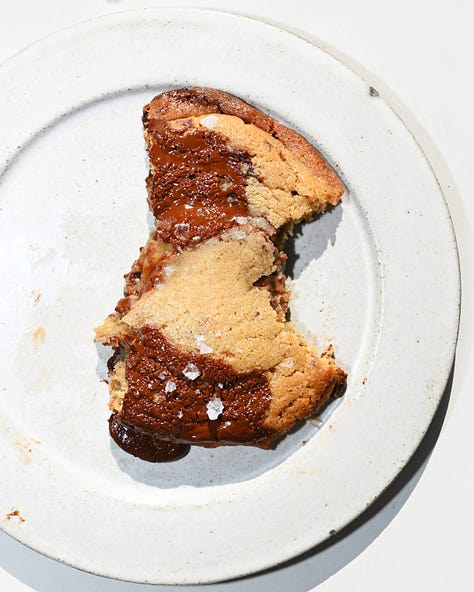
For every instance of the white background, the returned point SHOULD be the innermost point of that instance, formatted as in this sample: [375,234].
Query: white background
[418,54]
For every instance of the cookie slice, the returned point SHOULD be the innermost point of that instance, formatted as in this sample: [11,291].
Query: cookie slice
[203,352]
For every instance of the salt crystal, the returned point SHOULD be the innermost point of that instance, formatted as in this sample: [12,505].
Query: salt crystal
[209,121]
[170,386]
[202,345]
[288,363]
[263,224]
[239,234]
[180,414]
[240,219]
[226,185]
[220,385]
[162,375]
[191,371]
[214,408]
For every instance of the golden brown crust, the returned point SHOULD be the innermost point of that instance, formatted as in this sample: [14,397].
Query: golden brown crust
[182,103]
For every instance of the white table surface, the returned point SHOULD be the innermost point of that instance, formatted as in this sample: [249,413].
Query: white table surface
[418,54]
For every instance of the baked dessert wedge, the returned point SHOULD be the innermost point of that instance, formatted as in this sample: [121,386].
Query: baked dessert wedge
[203,352]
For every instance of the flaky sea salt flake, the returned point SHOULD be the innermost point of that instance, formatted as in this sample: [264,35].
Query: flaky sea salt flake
[191,371]
[209,121]
[241,219]
[263,224]
[170,386]
[202,345]
[214,408]
[239,234]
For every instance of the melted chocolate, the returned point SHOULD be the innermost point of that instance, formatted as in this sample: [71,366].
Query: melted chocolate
[275,283]
[196,187]
[144,444]
[146,272]
[123,305]
[162,400]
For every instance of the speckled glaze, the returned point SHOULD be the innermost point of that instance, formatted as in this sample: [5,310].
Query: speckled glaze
[377,276]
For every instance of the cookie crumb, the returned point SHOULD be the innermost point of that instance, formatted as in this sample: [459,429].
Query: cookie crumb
[36,296]
[373,92]
[15,514]
[25,449]
[39,335]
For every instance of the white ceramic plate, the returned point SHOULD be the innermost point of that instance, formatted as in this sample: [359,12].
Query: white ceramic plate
[378,276]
